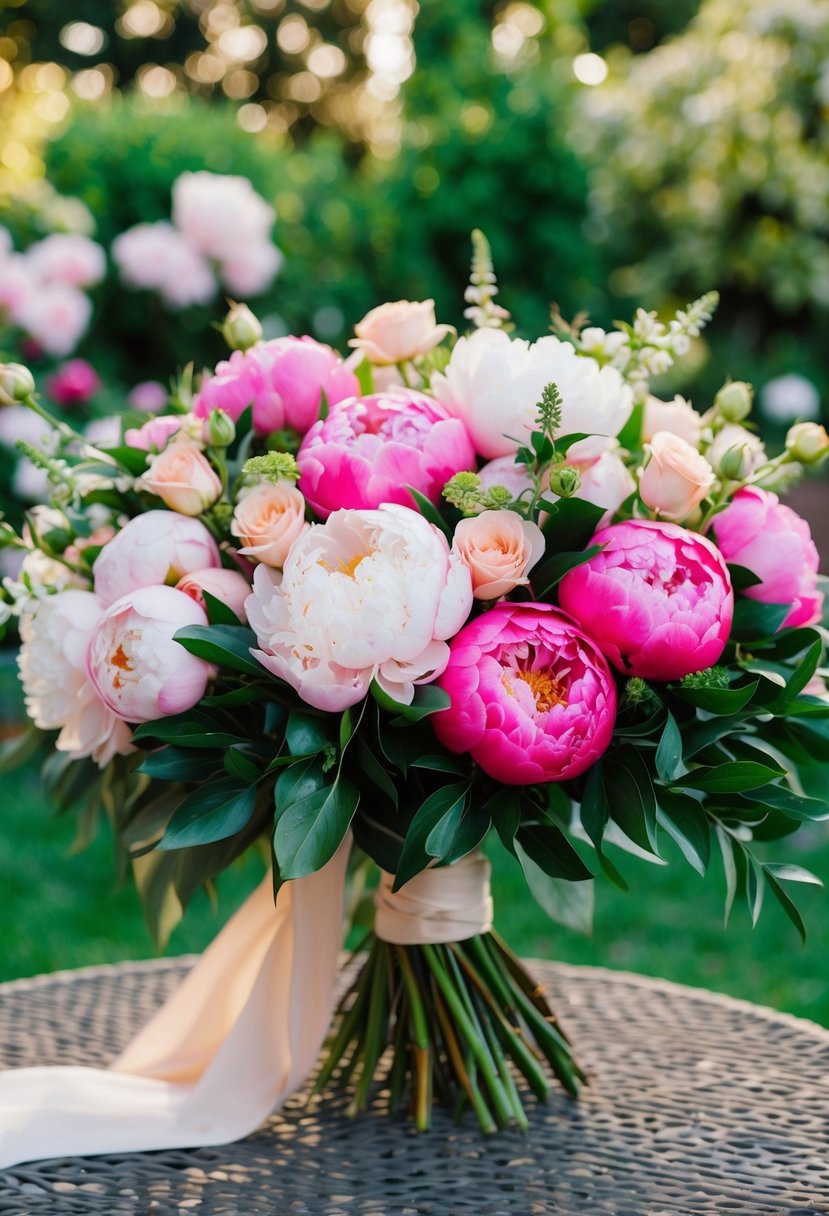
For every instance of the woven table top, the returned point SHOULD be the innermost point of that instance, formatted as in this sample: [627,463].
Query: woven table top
[697,1104]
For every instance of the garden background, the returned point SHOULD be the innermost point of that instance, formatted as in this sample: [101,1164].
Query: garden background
[616,153]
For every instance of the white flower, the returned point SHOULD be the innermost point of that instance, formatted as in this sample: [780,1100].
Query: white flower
[40,576]
[786,398]
[220,214]
[58,691]
[367,595]
[493,383]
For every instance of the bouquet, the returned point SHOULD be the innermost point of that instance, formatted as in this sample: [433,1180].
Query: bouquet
[449,591]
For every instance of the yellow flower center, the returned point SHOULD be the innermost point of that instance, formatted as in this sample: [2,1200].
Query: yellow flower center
[546,689]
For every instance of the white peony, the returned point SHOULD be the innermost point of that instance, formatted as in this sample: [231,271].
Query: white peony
[220,214]
[493,383]
[53,670]
[368,595]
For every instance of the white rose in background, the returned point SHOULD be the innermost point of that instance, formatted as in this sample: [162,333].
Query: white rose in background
[368,595]
[677,416]
[53,670]
[493,383]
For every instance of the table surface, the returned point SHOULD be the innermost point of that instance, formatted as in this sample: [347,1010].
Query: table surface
[698,1104]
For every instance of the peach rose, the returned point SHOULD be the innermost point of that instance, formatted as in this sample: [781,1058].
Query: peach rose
[399,331]
[676,478]
[677,416]
[268,519]
[182,478]
[229,586]
[499,548]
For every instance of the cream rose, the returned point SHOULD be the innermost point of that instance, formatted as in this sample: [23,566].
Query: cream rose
[676,478]
[268,519]
[182,478]
[677,416]
[499,548]
[396,332]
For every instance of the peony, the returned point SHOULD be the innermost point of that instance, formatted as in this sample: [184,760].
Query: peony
[67,258]
[282,380]
[220,214]
[675,478]
[229,586]
[154,548]
[368,450]
[140,672]
[493,383]
[251,271]
[499,548]
[532,697]
[17,285]
[369,595]
[395,333]
[154,257]
[677,416]
[757,531]
[268,519]
[150,396]
[56,316]
[73,383]
[183,478]
[657,600]
[59,694]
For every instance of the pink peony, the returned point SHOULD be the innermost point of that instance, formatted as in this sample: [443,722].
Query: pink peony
[249,272]
[155,257]
[220,214]
[154,548]
[73,383]
[56,316]
[67,257]
[229,586]
[367,595]
[532,697]
[657,600]
[17,285]
[757,531]
[140,672]
[150,397]
[367,451]
[283,380]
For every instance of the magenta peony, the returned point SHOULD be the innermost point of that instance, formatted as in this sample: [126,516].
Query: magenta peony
[368,450]
[282,380]
[757,531]
[73,383]
[657,600]
[154,548]
[533,699]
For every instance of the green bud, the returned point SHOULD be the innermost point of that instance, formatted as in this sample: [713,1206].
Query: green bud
[710,677]
[241,329]
[733,401]
[565,481]
[735,463]
[16,383]
[221,429]
[808,442]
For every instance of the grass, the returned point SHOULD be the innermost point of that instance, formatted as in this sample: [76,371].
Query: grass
[62,910]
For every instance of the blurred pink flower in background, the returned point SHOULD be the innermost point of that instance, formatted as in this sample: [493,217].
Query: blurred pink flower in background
[218,213]
[73,382]
[56,316]
[249,272]
[152,436]
[41,289]
[156,257]
[150,396]
[154,548]
[533,699]
[368,450]
[67,258]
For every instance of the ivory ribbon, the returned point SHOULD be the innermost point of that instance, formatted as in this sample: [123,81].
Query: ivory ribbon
[442,904]
[239,1034]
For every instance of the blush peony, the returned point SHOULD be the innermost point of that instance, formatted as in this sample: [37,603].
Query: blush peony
[367,595]
[154,548]
[533,699]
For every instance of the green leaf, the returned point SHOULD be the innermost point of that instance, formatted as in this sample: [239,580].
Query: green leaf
[669,752]
[240,765]
[633,803]
[595,808]
[371,768]
[733,876]
[731,777]
[685,820]
[212,812]
[551,572]
[719,701]
[134,460]
[786,903]
[791,873]
[414,855]
[571,524]
[504,809]
[700,735]
[429,511]
[177,764]
[427,700]
[804,671]
[365,375]
[218,613]
[566,903]
[309,832]
[564,444]
[442,764]
[302,778]
[305,734]
[786,800]
[246,695]
[192,729]
[754,620]
[755,889]
[224,645]
[550,849]
[742,577]
[20,748]
[458,832]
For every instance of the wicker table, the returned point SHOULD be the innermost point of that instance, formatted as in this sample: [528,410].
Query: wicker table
[699,1104]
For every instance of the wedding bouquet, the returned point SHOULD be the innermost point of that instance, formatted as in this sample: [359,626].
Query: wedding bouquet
[448,591]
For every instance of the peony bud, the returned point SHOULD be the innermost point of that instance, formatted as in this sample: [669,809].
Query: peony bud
[565,482]
[807,442]
[182,478]
[221,429]
[241,328]
[733,401]
[16,383]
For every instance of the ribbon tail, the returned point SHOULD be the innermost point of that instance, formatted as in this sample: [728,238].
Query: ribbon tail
[236,1038]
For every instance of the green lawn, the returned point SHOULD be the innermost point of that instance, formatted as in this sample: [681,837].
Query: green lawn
[61,910]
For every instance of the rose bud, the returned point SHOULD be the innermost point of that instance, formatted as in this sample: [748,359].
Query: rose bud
[499,548]
[182,478]
[676,478]
[268,519]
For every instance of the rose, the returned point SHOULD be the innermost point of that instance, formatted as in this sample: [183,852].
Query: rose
[397,332]
[155,257]
[369,595]
[757,531]
[183,478]
[282,380]
[268,519]
[750,453]
[657,600]
[676,478]
[499,548]
[229,586]
[368,450]
[532,698]
[677,416]
[493,383]
[156,547]
[140,672]
[59,695]
[807,442]
[74,382]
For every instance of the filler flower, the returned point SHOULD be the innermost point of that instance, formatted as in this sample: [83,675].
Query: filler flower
[367,451]
[757,531]
[533,699]
[367,595]
[154,548]
[657,600]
